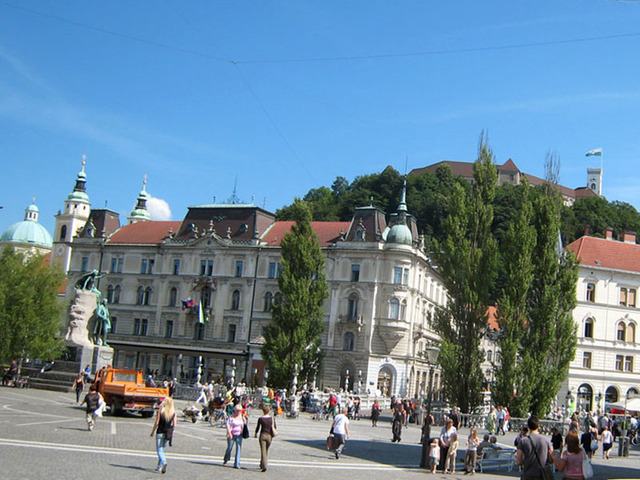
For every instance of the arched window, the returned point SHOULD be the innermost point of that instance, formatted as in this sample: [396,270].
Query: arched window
[277,298]
[205,297]
[394,309]
[140,297]
[585,397]
[235,300]
[611,395]
[147,295]
[268,301]
[631,332]
[63,232]
[110,291]
[403,310]
[173,297]
[489,356]
[349,341]
[352,307]
[116,294]
[385,381]
[620,334]
[591,292]
[588,328]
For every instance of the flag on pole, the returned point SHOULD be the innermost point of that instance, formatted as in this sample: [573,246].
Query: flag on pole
[595,153]
[200,313]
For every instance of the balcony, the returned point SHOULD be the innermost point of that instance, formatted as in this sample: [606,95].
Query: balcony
[355,320]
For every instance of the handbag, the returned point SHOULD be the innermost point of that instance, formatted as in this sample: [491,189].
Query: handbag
[245,431]
[594,445]
[545,470]
[587,468]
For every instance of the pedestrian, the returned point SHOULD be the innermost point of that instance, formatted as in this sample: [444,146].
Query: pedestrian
[235,426]
[87,373]
[471,455]
[556,443]
[375,413]
[202,397]
[534,452]
[501,416]
[267,428]
[492,420]
[607,442]
[340,429]
[434,454]
[166,421]
[589,441]
[399,416]
[10,374]
[93,400]
[78,386]
[452,453]
[523,433]
[356,408]
[446,436]
[572,458]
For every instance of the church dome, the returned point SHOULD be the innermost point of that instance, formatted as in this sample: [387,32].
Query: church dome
[29,231]
[400,234]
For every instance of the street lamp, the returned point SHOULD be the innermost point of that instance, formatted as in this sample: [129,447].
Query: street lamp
[233,372]
[359,382]
[432,353]
[346,380]
[294,383]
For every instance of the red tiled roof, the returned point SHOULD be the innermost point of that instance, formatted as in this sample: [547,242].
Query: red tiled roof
[328,232]
[602,253]
[144,233]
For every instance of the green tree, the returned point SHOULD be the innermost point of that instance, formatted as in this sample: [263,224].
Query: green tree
[30,313]
[294,334]
[517,247]
[549,340]
[466,260]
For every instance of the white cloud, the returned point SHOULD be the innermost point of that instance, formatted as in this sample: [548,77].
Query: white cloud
[158,209]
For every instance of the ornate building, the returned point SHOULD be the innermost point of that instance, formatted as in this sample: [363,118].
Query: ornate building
[193,297]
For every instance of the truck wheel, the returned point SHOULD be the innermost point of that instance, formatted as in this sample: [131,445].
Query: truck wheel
[115,408]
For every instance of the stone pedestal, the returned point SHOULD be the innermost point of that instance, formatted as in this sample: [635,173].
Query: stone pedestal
[94,355]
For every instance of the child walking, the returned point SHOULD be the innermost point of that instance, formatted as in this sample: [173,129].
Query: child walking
[450,462]
[434,454]
[472,452]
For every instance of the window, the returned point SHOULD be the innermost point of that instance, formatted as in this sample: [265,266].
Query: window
[146,266]
[173,297]
[586,360]
[239,265]
[168,329]
[591,292]
[349,341]
[198,331]
[116,265]
[114,322]
[628,364]
[136,326]
[231,334]
[631,332]
[355,272]
[588,328]
[205,297]
[394,308]
[489,356]
[206,268]
[623,296]
[352,307]
[400,276]
[140,296]
[277,298]
[235,300]
[116,294]
[143,327]
[63,233]
[403,310]
[275,269]
[176,266]
[85,264]
[632,297]
[620,334]
[619,361]
[268,301]
[110,291]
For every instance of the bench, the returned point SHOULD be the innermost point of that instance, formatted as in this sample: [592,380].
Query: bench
[498,459]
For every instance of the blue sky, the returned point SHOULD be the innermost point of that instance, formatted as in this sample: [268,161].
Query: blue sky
[278,97]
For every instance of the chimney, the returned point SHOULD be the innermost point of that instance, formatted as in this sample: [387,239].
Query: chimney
[629,237]
[608,233]
[586,230]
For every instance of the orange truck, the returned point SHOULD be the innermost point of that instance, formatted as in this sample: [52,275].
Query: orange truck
[126,390]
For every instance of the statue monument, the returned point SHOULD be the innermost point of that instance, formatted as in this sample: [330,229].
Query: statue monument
[88,306]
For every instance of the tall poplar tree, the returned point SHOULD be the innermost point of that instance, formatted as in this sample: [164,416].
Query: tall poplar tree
[293,336]
[517,250]
[466,259]
[30,313]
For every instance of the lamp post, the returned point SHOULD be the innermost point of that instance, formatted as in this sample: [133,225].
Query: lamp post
[255,377]
[294,383]
[233,372]
[359,382]
[432,353]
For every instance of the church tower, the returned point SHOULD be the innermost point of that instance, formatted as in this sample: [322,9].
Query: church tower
[76,212]
[140,212]
[594,180]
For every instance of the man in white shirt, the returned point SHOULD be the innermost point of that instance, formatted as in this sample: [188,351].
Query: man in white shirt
[340,429]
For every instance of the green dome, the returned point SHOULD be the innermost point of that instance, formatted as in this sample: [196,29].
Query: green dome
[400,234]
[29,231]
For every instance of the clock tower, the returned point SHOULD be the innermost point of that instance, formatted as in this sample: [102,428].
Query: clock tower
[76,212]
[594,180]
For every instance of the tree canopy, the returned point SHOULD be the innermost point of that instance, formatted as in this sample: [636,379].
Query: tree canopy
[30,313]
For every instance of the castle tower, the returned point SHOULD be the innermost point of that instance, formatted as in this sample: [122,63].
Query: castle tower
[594,180]
[140,212]
[76,212]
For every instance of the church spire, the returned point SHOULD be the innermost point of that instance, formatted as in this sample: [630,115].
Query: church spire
[140,212]
[80,188]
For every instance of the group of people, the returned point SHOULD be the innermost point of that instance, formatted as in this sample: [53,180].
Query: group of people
[498,420]
[10,373]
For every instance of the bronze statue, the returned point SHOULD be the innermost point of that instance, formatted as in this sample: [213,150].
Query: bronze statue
[103,324]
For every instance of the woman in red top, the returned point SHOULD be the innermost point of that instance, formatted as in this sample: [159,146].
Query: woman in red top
[572,457]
